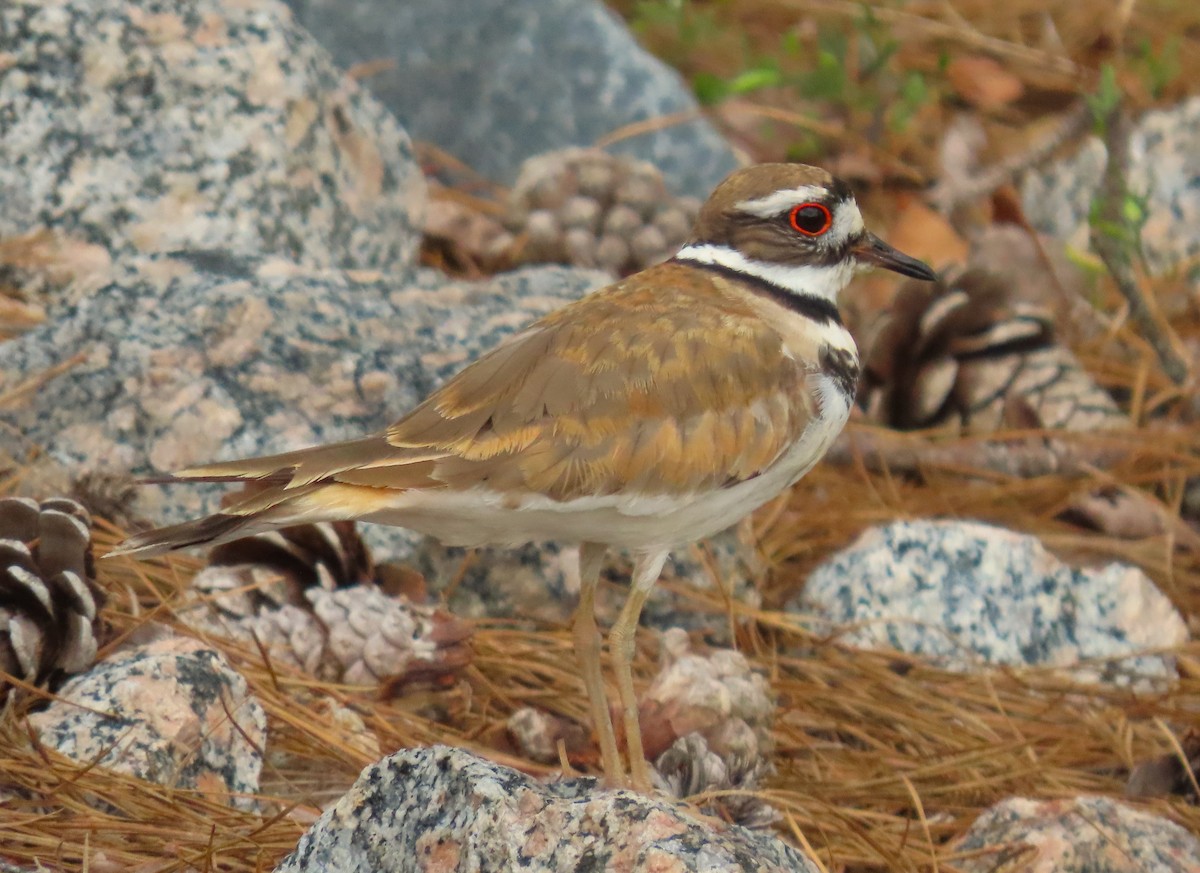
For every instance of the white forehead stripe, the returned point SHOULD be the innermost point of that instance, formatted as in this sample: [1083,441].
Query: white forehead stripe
[847,220]
[781,201]
[806,279]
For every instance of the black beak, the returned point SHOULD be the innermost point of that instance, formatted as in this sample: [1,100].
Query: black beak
[874,251]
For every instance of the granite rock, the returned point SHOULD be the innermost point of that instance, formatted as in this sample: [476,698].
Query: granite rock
[1164,155]
[969,595]
[444,809]
[154,125]
[171,712]
[1085,834]
[496,81]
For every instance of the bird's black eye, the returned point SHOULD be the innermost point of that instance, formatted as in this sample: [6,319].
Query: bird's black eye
[811,219]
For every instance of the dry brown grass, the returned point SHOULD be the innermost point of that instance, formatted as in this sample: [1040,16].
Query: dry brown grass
[882,759]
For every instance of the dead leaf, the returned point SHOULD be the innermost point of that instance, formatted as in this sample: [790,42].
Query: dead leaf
[983,82]
[926,234]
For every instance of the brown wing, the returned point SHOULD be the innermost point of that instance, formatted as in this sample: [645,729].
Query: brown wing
[642,385]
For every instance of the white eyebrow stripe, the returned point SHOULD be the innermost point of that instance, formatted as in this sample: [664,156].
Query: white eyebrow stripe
[781,201]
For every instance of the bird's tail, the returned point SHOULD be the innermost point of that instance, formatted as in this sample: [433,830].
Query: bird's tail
[212,529]
[263,509]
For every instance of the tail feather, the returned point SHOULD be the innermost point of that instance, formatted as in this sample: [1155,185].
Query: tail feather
[259,510]
[214,528]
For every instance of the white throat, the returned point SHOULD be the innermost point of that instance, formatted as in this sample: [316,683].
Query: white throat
[806,280]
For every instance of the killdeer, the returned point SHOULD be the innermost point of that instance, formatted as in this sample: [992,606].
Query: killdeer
[649,414]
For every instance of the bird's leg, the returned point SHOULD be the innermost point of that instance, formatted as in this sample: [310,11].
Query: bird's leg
[587,650]
[646,569]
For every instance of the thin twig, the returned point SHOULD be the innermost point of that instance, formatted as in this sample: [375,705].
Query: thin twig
[880,449]
[1115,239]
[942,30]
[648,125]
[12,395]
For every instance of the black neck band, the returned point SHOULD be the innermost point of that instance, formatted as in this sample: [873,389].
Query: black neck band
[818,309]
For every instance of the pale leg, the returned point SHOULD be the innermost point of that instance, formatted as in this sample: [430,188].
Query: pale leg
[587,650]
[646,570]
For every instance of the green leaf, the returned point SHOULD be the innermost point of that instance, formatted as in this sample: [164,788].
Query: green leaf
[914,93]
[754,80]
[1133,210]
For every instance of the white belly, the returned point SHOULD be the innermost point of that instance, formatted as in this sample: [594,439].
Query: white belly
[481,517]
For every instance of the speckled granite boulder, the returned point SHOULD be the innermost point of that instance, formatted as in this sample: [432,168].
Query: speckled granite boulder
[152,125]
[1076,835]
[172,712]
[496,81]
[444,809]
[1164,168]
[968,595]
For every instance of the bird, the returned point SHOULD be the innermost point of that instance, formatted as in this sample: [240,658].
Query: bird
[648,414]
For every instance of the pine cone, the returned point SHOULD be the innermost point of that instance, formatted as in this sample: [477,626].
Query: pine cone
[308,595]
[49,601]
[592,209]
[277,568]
[958,353]
[717,696]
[690,767]
[376,638]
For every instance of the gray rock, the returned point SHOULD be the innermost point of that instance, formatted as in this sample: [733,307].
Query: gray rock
[444,809]
[155,125]
[171,712]
[1164,168]
[496,81]
[968,595]
[1075,835]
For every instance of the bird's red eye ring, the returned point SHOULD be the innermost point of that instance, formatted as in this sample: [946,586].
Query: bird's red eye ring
[811,219]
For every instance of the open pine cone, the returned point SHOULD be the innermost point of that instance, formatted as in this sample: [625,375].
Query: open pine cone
[592,209]
[277,568]
[308,595]
[959,354]
[691,767]
[49,601]
[706,724]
